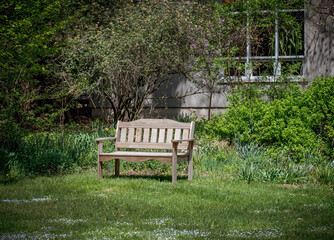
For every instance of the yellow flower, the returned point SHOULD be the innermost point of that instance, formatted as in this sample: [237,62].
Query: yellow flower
[106,129]
[7,175]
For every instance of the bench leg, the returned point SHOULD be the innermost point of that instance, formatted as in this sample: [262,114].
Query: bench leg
[99,169]
[174,166]
[116,167]
[174,172]
[190,164]
[99,163]
[190,169]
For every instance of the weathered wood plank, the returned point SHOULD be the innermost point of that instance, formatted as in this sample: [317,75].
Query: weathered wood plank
[185,134]
[143,145]
[118,132]
[103,139]
[177,135]
[120,154]
[169,135]
[131,134]
[146,135]
[154,123]
[174,163]
[123,134]
[192,129]
[99,163]
[162,133]
[154,134]
[138,134]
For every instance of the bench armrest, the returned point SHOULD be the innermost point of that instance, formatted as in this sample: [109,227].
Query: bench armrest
[106,138]
[183,140]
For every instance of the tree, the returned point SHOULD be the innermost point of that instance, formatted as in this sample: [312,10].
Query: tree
[29,35]
[214,39]
[125,62]
[32,34]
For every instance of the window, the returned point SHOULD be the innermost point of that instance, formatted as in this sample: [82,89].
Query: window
[273,45]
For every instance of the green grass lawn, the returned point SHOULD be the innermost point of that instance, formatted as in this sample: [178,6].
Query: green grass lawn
[79,206]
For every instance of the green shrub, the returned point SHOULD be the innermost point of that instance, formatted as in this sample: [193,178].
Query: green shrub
[319,98]
[245,108]
[293,121]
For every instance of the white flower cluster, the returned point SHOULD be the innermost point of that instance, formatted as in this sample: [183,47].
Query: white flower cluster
[322,228]
[158,221]
[318,205]
[27,201]
[259,234]
[33,236]
[67,220]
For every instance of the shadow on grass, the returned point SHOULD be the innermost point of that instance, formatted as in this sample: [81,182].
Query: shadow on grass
[9,180]
[156,177]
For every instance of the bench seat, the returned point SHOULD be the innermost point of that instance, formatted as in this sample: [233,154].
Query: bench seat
[132,156]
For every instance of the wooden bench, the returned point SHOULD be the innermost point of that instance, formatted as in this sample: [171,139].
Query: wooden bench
[176,139]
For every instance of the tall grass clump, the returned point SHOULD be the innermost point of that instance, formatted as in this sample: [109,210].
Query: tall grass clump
[251,162]
[53,152]
[10,140]
[50,152]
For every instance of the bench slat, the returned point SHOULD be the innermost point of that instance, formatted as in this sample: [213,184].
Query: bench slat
[185,134]
[177,134]
[138,134]
[154,134]
[154,124]
[131,134]
[146,135]
[162,134]
[143,145]
[169,135]
[142,154]
[123,134]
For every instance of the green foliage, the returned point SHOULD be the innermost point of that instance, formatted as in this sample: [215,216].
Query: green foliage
[30,34]
[293,120]
[319,98]
[245,109]
[125,61]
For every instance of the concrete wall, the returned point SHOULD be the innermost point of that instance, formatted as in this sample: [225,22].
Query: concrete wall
[180,97]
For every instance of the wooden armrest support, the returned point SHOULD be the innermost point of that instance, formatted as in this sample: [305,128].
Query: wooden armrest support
[183,140]
[106,138]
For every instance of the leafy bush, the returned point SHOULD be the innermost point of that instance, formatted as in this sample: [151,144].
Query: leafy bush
[245,108]
[296,121]
[319,98]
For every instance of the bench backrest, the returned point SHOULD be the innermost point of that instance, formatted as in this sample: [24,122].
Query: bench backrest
[153,134]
